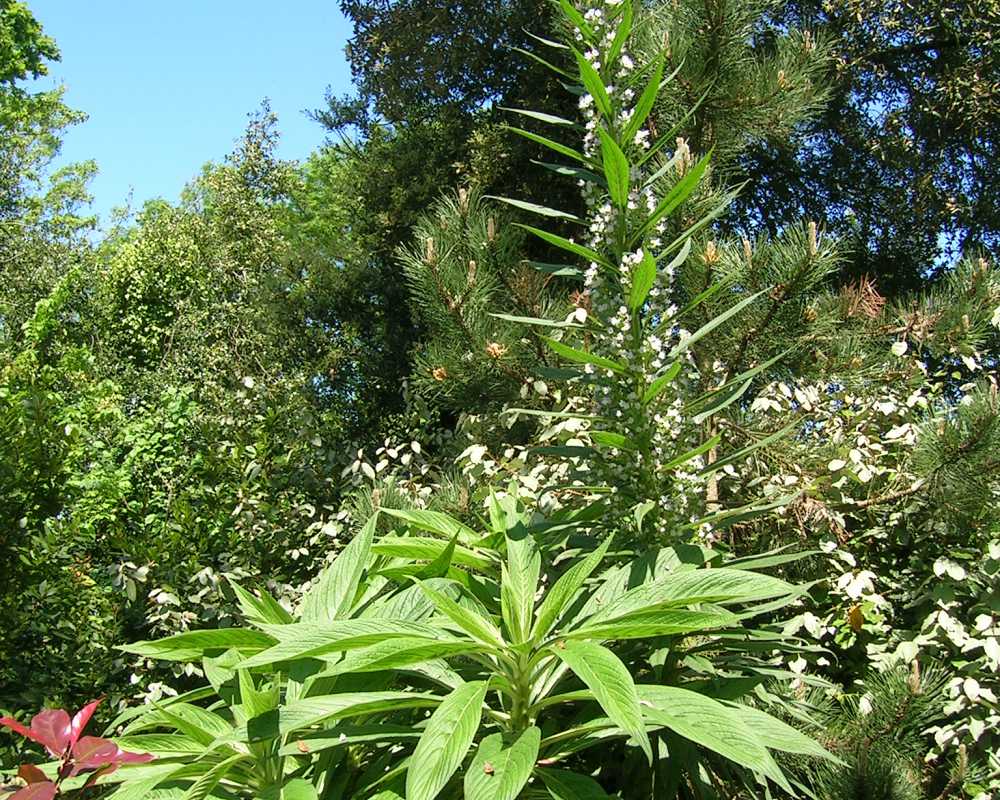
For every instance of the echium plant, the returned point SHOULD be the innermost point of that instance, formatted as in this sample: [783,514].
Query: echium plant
[634,352]
[502,661]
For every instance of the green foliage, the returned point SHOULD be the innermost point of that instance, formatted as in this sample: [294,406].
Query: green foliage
[511,681]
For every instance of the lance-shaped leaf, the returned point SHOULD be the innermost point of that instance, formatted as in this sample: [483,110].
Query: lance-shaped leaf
[592,82]
[427,549]
[611,683]
[551,144]
[565,785]
[645,102]
[561,594]
[565,244]
[778,735]
[472,623]
[498,772]
[445,741]
[519,583]
[574,16]
[534,208]
[661,383]
[212,777]
[643,277]
[582,356]
[332,595]
[399,653]
[263,609]
[714,323]
[193,645]
[680,192]
[542,117]
[623,28]
[709,723]
[616,168]
[306,640]
[435,522]
[310,711]
[649,623]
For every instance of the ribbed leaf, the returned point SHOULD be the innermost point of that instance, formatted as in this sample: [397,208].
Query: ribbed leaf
[306,640]
[778,735]
[519,583]
[565,244]
[332,595]
[582,356]
[616,168]
[646,624]
[677,195]
[542,117]
[534,208]
[706,722]
[498,772]
[565,785]
[260,609]
[435,522]
[658,385]
[643,277]
[564,590]
[610,681]
[427,549]
[311,711]
[445,741]
[592,82]
[473,624]
[551,144]
[193,645]
[397,653]
[203,787]
[645,103]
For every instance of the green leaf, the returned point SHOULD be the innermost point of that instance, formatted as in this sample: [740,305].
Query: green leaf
[399,653]
[545,323]
[473,624]
[582,356]
[547,64]
[519,583]
[551,144]
[609,679]
[542,117]
[347,735]
[623,28]
[778,735]
[435,522]
[298,789]
[193,645]
[649,623]
[714,323]
[534,208]
[643,277]
[658,385]
[427,549]
[499,773]
[612,439]
[645,102]
[577,173]
[741,454]
[311,711]
[445,741]
[565,244]
[576,18]
[593,83]
[565,785]
[260,609]
[309,640]
[711,724]
[556,600]
[706,722]
[680,192]
[203,787]
[704,447]
[616,169]
[332,595]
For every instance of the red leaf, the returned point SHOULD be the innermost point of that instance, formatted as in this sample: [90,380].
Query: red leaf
[81,719]
[29,773]
[52,728]
[36,791]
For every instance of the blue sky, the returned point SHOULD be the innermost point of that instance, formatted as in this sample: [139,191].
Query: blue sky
[168,86]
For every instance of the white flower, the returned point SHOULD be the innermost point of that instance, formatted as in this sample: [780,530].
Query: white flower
[899,348]
[995,322]
[248,382]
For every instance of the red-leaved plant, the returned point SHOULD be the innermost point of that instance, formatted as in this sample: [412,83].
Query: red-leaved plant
[77,754]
